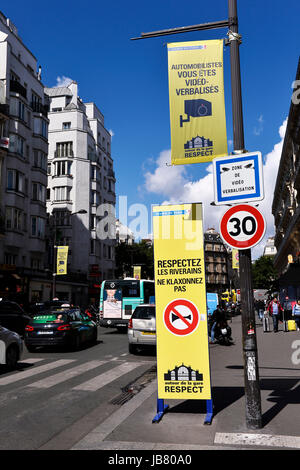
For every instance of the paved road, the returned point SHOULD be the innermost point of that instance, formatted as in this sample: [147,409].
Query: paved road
[54,398]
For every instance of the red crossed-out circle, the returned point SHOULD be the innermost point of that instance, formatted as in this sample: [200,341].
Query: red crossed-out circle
[253,240]
[172,311]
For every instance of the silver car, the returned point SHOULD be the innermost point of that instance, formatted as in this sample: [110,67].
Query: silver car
[11,348]
[142,328]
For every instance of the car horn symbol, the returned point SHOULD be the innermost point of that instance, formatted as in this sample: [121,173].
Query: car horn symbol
[176,317]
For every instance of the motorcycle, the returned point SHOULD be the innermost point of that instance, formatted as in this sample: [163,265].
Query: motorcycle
[223,333]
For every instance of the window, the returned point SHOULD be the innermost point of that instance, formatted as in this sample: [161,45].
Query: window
[10,259]
[66,125]
[61,217]
[40,127]
[37,227]
[15,181]
[35,102]
[62,193]
[64,149]
[40,159]
[38,192]
[63,168]
[16,144]
[13,218]
[17,108]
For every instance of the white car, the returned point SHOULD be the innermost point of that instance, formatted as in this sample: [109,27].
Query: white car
[142,328]
[11,348]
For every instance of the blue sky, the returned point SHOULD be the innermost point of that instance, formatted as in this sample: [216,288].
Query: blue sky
[90,43]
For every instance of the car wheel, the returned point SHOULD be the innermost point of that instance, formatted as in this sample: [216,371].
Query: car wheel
[12,356]
[132,348]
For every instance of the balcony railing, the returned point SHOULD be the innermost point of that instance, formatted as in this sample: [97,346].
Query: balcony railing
[40,108]
[16,87]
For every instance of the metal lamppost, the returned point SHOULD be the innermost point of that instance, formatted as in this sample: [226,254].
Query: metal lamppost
[81,211]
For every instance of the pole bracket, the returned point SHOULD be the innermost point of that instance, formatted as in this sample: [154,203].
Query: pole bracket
[234,37]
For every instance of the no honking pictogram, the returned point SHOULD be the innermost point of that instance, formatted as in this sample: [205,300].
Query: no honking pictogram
[181,317]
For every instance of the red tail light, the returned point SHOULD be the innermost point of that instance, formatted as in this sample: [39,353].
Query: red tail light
[130,323]
[64,327]
[29,328]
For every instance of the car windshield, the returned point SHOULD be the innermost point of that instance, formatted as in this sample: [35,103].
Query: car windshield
[50,317]
[144,313]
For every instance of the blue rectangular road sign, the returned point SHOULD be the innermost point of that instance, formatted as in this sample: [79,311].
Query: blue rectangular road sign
[238,178]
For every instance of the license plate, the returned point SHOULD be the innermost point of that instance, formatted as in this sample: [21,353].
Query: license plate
[148,333]
[45,332]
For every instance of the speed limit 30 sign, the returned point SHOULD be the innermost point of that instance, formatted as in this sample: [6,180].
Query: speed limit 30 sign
[242,226]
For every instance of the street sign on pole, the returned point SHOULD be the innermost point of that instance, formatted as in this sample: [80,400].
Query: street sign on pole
[242,226]
[238,178]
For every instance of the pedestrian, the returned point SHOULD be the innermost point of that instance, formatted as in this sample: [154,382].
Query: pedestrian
[217,316]
[261,309]
[275,309]
[296,313]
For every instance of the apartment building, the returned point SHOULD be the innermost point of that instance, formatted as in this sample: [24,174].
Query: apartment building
[23,169]
[216,262]
[286,205]
[81,193]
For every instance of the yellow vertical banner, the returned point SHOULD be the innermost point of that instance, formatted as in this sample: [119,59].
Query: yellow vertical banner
[183,369]
[235,259]
[137,272]
[197,106]
[61,259]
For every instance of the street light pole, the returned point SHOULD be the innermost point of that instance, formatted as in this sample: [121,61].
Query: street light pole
[252,390]
[251,374]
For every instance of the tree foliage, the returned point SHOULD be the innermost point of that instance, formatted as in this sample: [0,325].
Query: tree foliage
[263,274]
[140,254]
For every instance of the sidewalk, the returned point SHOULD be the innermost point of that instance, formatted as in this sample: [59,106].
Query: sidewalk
[182,427]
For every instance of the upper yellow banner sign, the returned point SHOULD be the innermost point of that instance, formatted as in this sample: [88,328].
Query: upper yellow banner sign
[197,108]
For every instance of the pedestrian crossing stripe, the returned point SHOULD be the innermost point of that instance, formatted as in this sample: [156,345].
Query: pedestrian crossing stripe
[91,385]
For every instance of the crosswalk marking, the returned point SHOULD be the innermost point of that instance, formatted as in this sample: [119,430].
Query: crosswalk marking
[103,379]
[38,370]
[32,360]
[66,375]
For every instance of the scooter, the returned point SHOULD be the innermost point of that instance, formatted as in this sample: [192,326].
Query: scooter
[223,333]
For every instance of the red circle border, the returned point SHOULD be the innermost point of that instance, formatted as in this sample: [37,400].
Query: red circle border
[261,227]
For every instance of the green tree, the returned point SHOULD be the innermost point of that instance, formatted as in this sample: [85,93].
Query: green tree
[263,274]
[136,254]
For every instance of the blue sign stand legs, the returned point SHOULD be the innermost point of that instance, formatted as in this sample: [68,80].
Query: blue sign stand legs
[209,412]
[161,409]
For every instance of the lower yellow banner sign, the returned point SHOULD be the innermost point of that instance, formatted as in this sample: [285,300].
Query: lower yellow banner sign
[61,259]
[183,369]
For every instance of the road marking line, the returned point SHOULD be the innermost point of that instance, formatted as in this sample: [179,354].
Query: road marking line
[266,440]
[66,375]
[31,360]
[38,370]
[103,379]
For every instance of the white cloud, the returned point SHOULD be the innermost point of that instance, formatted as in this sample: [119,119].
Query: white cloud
[172,183]
[63,81]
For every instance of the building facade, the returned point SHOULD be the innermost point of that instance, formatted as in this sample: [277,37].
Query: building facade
[23,170]
[80,194]
[286,206]
[216,262]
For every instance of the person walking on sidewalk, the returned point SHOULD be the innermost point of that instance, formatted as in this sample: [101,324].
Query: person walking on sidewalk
[275,309]
[296,313]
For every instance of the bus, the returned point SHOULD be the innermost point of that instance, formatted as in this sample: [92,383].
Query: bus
[118,299]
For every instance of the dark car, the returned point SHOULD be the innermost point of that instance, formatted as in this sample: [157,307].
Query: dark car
[13,317]
[60,327]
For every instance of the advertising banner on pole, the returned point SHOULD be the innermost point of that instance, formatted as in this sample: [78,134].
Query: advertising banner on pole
[197,107]
[61,259]
[137,272]
[183,369]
